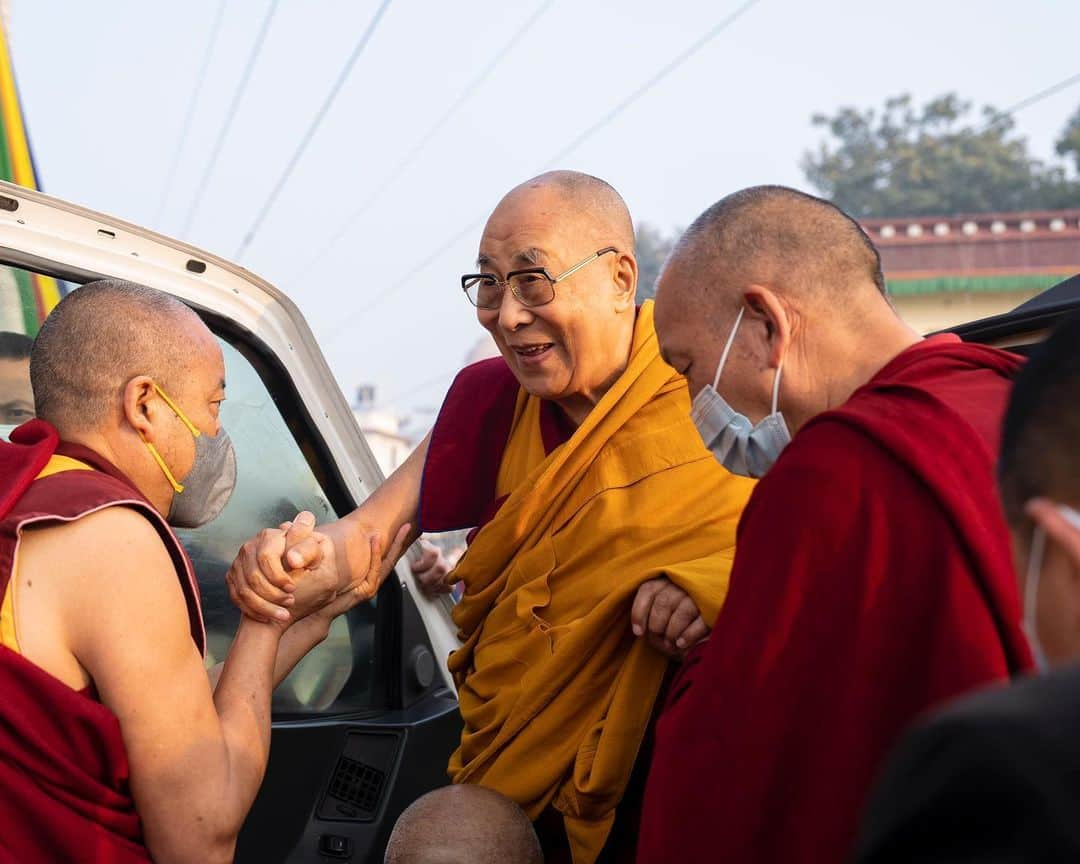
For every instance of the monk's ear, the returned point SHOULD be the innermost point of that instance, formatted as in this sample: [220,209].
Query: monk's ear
[138,398]
[625,278]
[764,305]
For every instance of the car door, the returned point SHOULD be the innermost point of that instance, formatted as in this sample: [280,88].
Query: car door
[367,721]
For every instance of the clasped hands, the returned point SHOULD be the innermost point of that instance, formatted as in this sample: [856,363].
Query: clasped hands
[291,572]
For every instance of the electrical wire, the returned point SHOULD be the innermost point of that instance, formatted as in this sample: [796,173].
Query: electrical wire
[238,96]
[1052,90]
[422,142]
[651,82]
[399,283]
[189,118]
[660,75]
[343,76]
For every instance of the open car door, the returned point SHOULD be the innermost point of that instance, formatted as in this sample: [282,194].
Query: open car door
[366,723]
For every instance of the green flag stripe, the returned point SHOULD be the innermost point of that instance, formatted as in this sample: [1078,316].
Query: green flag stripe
[6,172]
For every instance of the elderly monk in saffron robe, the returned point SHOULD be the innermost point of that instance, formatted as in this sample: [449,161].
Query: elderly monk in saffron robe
[601,515]
[873,577]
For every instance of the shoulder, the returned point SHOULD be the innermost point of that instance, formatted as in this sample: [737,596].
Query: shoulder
[114,550]
[479,391]
[832,456]
[107,526]
[485,374]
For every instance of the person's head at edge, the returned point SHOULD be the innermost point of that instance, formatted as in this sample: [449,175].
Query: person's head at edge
[463,824]
[104,367]
[1039,477]
[809,286]
[16,397]
[573,348]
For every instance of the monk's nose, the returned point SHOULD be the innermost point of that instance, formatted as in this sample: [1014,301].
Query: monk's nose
[513,313]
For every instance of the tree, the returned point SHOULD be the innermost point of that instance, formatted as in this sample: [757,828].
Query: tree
[1068,144]
[652,249]
[903,161]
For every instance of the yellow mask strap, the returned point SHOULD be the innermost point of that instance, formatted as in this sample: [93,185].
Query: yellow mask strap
[192,428]
[177,487]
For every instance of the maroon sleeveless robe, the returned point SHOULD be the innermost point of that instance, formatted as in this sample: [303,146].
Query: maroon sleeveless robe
[64,776]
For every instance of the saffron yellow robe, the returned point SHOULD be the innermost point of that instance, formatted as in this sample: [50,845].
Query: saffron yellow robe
[555,691]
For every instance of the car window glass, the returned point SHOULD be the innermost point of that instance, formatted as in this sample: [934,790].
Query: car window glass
[274,483]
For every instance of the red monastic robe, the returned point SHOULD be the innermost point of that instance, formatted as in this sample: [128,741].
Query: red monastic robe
[467,445]
[64,775]
[872,581]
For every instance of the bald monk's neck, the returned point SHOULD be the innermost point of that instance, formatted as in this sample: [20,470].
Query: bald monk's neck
[851,356]
[578,405]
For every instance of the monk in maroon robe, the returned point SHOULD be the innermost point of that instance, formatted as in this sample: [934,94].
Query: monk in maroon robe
[872,578]
[114,744]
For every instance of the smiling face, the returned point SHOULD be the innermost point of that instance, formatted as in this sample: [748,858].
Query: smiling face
[573,348]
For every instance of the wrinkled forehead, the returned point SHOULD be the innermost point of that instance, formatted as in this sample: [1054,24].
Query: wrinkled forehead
[533,227]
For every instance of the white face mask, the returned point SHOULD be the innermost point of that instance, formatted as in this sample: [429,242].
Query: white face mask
[738,444]
[1031,586]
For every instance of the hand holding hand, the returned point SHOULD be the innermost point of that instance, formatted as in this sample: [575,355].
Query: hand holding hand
[258,581]
[669,616]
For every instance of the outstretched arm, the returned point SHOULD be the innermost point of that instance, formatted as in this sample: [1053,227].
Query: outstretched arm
[258,581]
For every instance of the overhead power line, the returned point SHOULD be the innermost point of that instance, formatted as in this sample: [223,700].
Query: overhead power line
[660,75]
[1052,90]
[430,382]
[422,142]
[619,108]
[190,116]
[238,96]
[343,76]
[406,278]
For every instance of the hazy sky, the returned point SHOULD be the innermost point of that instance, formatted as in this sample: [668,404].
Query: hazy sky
[106,87]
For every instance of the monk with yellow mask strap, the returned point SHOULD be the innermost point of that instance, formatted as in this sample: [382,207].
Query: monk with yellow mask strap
[603,529]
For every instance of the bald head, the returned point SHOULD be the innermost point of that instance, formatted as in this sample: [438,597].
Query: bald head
[98,338]
[795,286]
[588,200]
[791,241]
[463,824]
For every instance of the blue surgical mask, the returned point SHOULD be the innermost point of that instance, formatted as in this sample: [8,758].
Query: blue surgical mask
[1031,586]
[738,444]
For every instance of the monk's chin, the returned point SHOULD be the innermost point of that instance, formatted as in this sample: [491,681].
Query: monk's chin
[543,386]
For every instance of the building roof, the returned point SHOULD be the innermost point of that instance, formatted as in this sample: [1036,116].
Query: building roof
[1027,250]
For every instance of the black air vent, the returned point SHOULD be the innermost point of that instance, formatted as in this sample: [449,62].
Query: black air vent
[358,786]
[361,777]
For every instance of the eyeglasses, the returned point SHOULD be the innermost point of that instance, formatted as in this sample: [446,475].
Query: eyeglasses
[533,286]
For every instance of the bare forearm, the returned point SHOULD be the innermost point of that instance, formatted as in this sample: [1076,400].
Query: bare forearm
[389,507]
[297,641]
[242,698]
